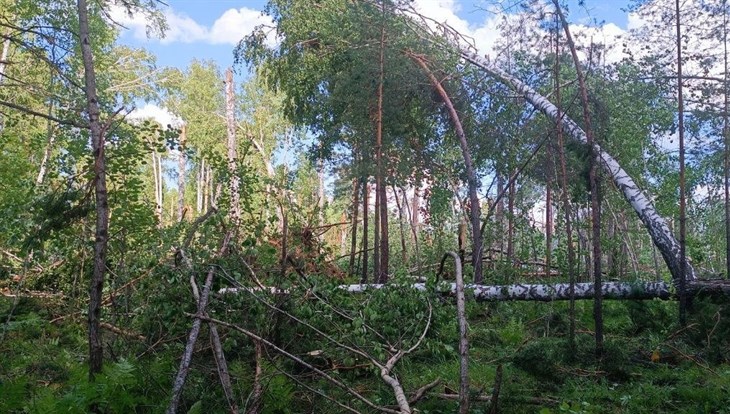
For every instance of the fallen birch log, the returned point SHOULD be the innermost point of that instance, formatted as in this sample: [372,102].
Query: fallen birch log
[541,292]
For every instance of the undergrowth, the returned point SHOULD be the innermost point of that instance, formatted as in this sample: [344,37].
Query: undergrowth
[649,364]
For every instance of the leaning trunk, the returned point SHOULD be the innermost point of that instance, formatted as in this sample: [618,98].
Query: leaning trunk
[470,172]
[657,227]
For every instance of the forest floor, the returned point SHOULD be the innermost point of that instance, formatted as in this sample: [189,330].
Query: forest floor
[649,364]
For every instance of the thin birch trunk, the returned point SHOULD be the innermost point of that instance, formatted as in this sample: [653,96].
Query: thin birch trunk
[401,225]
[3,60]
[548,211]
[181,176]
[320,191]
[4,57]
[155,177]
[511,194]
[413,224]
[235,213]
[682,188]
[376,233]
[355,211]
[51,137]
[96,350]
[365,219]
[199,187]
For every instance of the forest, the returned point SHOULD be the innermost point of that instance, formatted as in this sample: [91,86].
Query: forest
[369,211]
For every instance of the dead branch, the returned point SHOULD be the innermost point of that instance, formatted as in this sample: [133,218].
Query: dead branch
[123,332]
[193,336]
[419,393]
[296,359]
[494,405]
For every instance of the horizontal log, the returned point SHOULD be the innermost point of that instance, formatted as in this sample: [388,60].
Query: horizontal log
[709,287]
[543,292]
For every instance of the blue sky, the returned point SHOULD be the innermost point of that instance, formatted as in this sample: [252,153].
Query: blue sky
[210,29]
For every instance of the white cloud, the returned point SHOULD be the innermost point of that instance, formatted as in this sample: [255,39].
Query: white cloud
[483,35]
[234,24]
[150,111]
[229,28]
[486,34]
[183,29]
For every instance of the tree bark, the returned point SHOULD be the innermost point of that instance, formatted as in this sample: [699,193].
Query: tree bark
[4,56]
[549,292]
[376,233]
[182,372]
[475,212]
[96,350]
[3,60]
[657,227]
[726,138]
[401,225]
[365,219]
[199,187]
[511,193]
[257,389]
[355,211]
[181,176]
[235,213]
[51,137]
[157,175]
[413,214]
[463,334]
[382,263]
[682,192]
[595,200]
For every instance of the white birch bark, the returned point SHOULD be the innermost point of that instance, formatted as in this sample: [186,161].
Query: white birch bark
[541,292]
[199,187]
[232,149]
[657,227]
[181,176]
[4,57]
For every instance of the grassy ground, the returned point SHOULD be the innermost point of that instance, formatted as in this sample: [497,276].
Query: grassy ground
[649,365]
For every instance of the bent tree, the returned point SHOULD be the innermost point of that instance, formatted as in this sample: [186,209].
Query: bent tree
[655,224]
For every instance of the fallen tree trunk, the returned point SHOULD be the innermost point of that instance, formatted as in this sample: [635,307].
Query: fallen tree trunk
[657,227]
[542,292]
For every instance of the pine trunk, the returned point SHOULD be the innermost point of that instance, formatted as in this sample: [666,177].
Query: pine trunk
[595,196]
[475,210]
